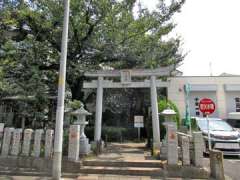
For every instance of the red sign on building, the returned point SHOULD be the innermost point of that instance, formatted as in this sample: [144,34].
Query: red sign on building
[206,106]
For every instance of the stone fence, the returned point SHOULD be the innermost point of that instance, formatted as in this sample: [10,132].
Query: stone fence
[25,148]
[180,146]
[33,149]
[28,142]
[39,143]
[184,154]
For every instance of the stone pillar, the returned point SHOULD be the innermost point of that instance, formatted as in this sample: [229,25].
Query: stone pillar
[198,146]
[27,142]
[37,142]
[16,144]
[9,118]
[74,141]
[84,141]
[221,102]
[216,165]
[98,115]
[1,112]
[185,151]
[155,118]
[1,133]
[49,143]
[7,141]
[23,122]
[172,144]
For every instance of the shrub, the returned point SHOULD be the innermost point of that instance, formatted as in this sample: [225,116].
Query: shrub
[65,141]
[113,134]
[193,124]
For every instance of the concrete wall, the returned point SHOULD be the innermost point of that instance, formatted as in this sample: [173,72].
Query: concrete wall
[224,99]
[194,99]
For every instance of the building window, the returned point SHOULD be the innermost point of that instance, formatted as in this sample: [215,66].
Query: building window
[237,103]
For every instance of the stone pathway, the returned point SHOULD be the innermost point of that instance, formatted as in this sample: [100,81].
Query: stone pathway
[91,177]
[115,152]
[124,152]
[122,160]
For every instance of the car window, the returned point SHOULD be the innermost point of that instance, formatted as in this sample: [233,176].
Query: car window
[214,125]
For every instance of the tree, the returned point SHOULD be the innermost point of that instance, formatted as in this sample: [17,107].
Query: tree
[106,32]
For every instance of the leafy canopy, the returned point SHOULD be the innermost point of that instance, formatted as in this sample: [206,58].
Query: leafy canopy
[101,32]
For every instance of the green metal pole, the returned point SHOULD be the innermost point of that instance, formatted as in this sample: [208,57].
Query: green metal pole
[187,115]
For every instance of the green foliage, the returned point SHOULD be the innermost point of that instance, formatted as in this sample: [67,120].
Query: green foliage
[194,124]
[65,141]
[113,134]
[101,32]
[164,104]
[75,104]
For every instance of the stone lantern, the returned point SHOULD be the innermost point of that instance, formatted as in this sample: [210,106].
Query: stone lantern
[81,120]
[168,116]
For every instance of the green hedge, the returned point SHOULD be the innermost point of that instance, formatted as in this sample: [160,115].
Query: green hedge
[65,141]
[164,104]
[193,124]
[113,134]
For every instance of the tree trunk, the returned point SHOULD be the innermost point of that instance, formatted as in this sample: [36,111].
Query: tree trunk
[76,89]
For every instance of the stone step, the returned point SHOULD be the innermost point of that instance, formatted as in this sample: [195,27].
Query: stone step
[15,169]
[152,164]
[131,171]
[23,172]
[30,173]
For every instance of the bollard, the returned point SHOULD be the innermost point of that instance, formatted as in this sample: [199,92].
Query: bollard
[185,151]
[1,133]
[26,148]
[37,143]
[172,144]
[7,141]
[198,145]
[216,164]
[74,143]
[16,142]
[49,143]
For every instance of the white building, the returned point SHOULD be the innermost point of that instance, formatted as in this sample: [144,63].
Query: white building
[224,90]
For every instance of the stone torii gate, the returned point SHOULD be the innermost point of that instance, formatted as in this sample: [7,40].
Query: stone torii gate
[126,82]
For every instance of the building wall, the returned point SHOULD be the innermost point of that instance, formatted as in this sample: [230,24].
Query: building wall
[213,87]
[194,99]
[233,101]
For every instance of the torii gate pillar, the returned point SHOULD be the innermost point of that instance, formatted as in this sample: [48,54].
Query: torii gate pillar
[155,118]
[126,82]
[98,115]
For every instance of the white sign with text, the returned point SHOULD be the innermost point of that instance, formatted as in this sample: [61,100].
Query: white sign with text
[138,122]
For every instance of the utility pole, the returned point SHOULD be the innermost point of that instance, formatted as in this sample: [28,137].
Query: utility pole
[210,68]
[58,139]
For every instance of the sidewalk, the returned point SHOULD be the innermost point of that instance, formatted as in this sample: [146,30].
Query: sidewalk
[90,177]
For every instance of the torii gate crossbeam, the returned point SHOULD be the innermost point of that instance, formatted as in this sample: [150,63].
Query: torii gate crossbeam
[126,82]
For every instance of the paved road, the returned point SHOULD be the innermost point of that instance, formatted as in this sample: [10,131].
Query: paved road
[231,167]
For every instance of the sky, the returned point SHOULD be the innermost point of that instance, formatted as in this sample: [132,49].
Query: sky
[210,32]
